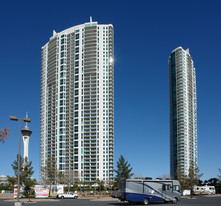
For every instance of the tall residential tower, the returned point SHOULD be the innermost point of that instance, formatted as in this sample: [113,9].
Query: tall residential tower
[183,113]
[77,101]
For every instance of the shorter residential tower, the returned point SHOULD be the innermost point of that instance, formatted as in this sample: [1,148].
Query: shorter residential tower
[183,113]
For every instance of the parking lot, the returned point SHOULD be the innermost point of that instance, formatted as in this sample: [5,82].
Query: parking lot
[199,201]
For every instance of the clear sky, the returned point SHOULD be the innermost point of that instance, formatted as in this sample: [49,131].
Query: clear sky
[145,33]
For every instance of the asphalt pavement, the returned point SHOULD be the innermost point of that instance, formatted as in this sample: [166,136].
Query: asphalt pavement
[196,201]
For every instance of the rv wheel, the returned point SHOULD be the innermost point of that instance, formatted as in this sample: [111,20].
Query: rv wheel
[145,201]
[174,200]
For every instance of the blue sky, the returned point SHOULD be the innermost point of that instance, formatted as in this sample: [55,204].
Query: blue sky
[145,34]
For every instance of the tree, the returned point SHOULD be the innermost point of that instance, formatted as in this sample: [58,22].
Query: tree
[218,189]
[26,169]
[49,173]
[29,183]
[4,133]
[219,176]
[200,182]
[61,179]
[11,181]
[183,179]
[193,178]
[213,182]
[100,185]
[138,176]
[123,170]
[164,176]
[205,182]
[187,181]
[109,184]
[69,177]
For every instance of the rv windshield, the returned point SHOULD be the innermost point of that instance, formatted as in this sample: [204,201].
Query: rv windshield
[176,188]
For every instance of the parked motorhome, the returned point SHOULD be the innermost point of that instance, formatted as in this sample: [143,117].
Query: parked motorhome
[204,190]
[146,191]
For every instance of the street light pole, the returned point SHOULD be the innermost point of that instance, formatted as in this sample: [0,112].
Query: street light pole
[14,118]
[19,159]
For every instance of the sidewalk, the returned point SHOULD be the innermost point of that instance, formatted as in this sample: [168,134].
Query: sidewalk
[10,198]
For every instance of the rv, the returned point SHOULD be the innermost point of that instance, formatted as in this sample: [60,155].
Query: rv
[204,190]
[147,191]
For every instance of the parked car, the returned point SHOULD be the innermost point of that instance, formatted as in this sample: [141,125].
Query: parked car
[69,195]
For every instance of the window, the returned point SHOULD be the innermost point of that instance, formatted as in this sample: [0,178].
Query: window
[76,78]
[77,71]
[77,36]
[176,187]
[168,187]
[77,43]
[76,106]
[76,49]
[75,114]
[75,136]
[76,121]
[62,109]
[76,85]
[76,64]
[76,99]
[76,56]
[61,124]
[76,92]
[76,144]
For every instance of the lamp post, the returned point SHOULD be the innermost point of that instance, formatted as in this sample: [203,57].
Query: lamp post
[14,118]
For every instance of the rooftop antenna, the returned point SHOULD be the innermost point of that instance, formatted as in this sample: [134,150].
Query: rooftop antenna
[90,19]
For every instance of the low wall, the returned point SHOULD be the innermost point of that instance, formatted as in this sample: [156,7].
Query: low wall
[6,195]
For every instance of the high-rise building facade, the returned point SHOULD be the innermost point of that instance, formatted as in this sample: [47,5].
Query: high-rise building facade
[183,113]
[77,101]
